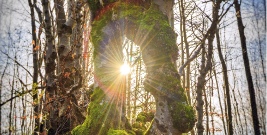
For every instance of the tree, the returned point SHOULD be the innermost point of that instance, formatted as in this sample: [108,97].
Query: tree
[64,76]
[139,22]
[60,69]
[35,50]
[206,62]
[247,68]
[226,85]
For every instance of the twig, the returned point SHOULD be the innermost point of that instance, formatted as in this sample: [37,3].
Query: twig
[17,63]
[18,95]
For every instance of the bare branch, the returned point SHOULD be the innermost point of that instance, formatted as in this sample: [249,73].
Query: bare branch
[224,13]
[194,55]
[19,94]
[17,63]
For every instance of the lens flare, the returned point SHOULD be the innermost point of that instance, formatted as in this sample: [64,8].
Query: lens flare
[125,69]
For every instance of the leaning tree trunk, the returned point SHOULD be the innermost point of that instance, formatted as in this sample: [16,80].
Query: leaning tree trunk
[146,25]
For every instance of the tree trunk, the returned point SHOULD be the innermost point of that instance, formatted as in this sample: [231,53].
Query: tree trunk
[226,85]
[247,68]
[181,9]
[206,65]
[35,50]
[11,128]
[66,78]
[150,29]
[259,43]
[50,65]
[220,101]
[1,86]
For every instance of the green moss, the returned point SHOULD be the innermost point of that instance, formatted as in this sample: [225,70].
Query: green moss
[102,115]
[148,129]
[156,22]
[150,20]
[162,40]
[153,18]
[167,84]
[183,116]
[133,12]
[143,118]
[94,113]
[120,132]
[96,33]
[98,113]
[117,132]
[96,6]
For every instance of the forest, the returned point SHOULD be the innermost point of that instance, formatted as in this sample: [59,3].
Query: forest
[133,67]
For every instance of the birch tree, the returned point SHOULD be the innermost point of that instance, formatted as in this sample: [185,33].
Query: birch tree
[63,65]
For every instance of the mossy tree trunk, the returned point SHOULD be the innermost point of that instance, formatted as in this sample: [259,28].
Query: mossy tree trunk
[147,25]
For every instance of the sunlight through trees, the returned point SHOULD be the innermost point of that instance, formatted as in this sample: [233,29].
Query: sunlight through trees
[125,69]
[132,67]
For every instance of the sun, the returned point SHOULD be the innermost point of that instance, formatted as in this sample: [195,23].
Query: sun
[125,69]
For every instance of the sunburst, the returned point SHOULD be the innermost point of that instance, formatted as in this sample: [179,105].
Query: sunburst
[125,69]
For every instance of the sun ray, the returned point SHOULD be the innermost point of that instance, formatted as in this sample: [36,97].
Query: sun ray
[125,69]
